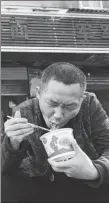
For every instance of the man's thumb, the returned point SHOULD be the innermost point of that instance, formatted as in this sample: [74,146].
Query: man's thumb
[17,114]
[75,145]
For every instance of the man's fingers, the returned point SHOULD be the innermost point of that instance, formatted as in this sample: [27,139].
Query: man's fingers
[20,132]
[60,169]
[61,164]
[17,114]
[20,137]
[13,121]
[17,126]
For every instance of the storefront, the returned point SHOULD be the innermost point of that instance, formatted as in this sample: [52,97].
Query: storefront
[14,86]
[32,41]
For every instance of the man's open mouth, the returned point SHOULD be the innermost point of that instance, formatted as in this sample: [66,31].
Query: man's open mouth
[54,125]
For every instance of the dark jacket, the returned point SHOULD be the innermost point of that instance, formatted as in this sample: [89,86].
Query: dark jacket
[91,130]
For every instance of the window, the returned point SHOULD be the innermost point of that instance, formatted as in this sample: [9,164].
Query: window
[106,5]
[91,4]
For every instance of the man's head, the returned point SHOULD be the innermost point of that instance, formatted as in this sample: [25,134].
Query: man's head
[61,93]
[12,103]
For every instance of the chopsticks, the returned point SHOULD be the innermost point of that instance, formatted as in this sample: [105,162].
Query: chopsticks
[33,125]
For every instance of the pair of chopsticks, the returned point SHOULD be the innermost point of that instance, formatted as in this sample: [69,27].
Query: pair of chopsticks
[33,125]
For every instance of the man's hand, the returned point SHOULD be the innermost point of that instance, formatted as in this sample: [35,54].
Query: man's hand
[16,129]
[80,166]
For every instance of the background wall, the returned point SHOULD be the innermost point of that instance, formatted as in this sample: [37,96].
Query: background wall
[54,4]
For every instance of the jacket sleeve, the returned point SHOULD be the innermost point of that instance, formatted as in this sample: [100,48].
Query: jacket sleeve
[10,158]
[100,136]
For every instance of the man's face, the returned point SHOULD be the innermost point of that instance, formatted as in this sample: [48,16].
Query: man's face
[59,103]
[10,104]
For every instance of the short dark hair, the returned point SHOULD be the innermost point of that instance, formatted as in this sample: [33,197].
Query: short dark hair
[64,72]
[13,100]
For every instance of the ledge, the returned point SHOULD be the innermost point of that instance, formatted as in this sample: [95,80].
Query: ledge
[53,49]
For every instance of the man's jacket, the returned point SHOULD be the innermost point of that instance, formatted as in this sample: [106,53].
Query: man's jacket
[90,128]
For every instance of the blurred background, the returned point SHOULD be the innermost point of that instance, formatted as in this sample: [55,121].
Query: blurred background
[35,34]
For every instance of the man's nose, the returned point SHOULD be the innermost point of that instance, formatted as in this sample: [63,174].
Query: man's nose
[58,113]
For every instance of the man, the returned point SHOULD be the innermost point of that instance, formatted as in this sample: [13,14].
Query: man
[12,105]
[62,101]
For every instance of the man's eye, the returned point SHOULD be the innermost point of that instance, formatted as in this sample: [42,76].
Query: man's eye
[70,108]
[52,104]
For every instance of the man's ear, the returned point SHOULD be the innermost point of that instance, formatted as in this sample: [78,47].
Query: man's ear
[82,98]
[38,92]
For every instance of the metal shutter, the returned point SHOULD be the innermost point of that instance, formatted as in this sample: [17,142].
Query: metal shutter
[15,73]
[14,81]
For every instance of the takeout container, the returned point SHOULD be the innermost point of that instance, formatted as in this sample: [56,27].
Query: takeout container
[57,144]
